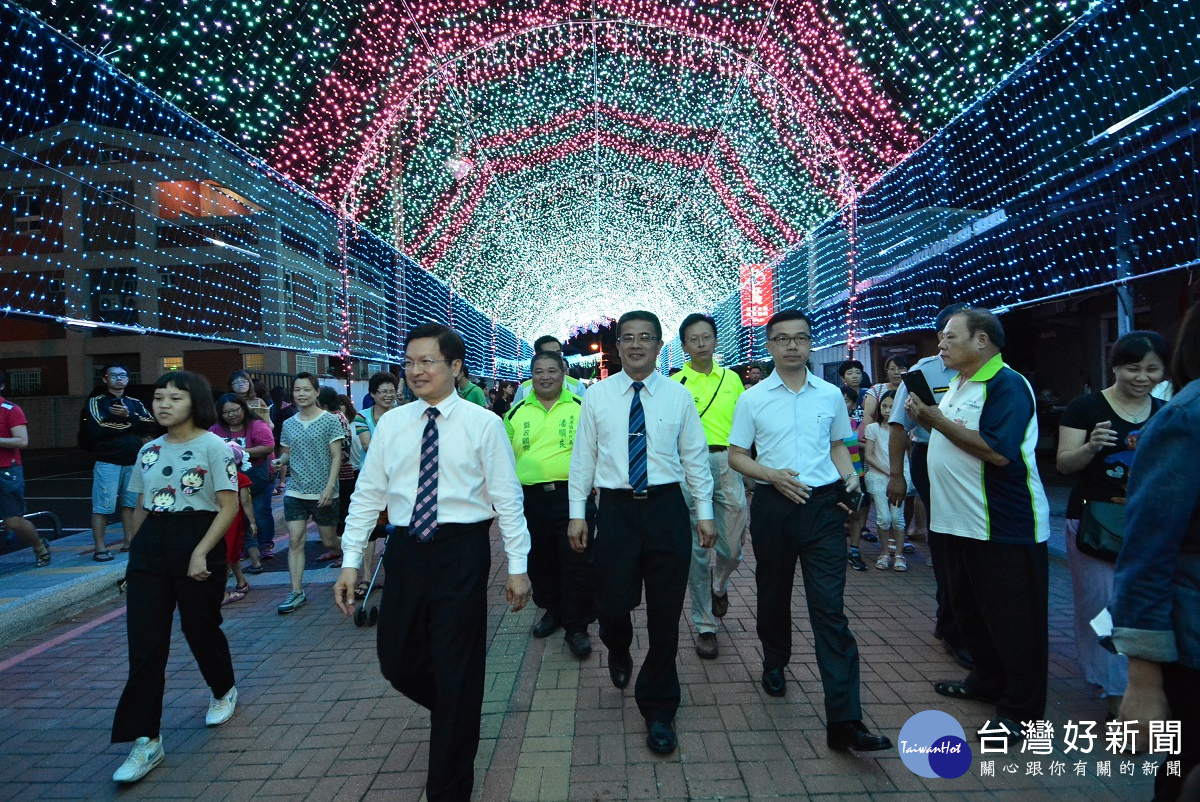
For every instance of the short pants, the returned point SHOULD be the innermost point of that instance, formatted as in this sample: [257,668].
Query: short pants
[12,492]
[110,482]
[301,509]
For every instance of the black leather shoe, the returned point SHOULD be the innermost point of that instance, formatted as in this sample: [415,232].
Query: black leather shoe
[661,738]
[620,668]
[720,604]
[853,735]
[579,643]
[547,626]
[773,682]
[706,645]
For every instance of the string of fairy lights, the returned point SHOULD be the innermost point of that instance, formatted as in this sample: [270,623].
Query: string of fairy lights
[547,165]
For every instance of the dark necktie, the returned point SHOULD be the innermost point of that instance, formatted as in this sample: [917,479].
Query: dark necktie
[637,441]
[423,525]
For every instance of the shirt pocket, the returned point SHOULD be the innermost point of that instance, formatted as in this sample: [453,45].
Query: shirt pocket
[664,435]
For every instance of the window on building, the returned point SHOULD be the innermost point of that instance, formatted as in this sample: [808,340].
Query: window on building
[306,363]
[24,381]
[253,362]
[27,213]
[170,363]
[109,219]
[289,289]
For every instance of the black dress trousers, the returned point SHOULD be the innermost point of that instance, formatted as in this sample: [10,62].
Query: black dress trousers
[432,642]
[946,624]
[812,533]
[647,542]
[561,577]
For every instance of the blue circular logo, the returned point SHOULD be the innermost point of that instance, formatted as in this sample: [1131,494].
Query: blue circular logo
[933,744]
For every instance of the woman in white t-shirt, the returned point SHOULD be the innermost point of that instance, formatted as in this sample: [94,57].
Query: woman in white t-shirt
[888,518]
[187,498]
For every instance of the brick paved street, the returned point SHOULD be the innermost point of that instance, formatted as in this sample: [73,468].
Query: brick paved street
[315,720]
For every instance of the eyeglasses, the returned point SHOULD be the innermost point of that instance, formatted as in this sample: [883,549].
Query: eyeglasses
[119,376]
[424,364]
[644,338]
[229,413]
[701,339]
[783,341]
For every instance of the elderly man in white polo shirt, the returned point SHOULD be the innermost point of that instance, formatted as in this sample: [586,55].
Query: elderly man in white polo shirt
[799,424]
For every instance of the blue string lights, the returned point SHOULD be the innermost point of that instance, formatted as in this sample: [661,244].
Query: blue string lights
[535,167]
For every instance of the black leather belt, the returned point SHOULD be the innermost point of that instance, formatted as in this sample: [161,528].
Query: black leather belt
[715,449]
[545,487]
[626,493]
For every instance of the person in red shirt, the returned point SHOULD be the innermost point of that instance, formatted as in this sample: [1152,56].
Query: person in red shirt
[14,435]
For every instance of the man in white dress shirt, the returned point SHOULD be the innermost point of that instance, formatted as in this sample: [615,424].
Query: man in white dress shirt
[799,424]
[639,437]
[438,466]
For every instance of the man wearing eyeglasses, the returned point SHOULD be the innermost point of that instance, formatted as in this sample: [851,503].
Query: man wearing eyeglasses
[114,426]
[715,391]
[799,423]
[443,468]
[639,439]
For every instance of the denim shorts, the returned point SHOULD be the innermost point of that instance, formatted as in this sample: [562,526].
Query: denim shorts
[12,492]
[110,482]
[301,509]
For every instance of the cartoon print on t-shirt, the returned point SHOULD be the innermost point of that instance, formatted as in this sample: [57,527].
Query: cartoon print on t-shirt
[192,480]
[232,470]
[163,499]
[150,457]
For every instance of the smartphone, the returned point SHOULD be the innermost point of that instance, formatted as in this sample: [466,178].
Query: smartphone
[918,385]
[852,499]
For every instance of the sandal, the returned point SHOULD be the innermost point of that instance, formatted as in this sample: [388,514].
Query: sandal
[884,562]
[329,555]
[360,590]
[103,556]
[233,596]
[242,589]
[901,564]
[43,559]
[253,569]
[959,690]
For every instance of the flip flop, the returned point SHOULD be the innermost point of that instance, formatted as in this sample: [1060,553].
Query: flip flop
[253,569]
[360,590]
[43,559]
[234,596]
[103,556]
[327,556]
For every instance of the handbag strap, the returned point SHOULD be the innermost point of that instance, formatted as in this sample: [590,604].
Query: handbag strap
[716,391]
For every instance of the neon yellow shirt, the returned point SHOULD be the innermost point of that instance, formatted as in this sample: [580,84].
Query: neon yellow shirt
[722,388]
[542,439]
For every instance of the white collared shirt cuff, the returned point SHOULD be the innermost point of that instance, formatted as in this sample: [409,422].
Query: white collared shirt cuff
[517,565]
[578,509]
[351,559]
[704,510]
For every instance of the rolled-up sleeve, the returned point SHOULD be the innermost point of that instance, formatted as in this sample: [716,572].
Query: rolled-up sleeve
[369,499]
[1164,491]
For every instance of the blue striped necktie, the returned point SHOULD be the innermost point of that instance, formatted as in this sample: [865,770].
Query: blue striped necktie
[637,441]
[423,524]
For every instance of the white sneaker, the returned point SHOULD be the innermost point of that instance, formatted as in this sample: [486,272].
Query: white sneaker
[221,710]
[145,756]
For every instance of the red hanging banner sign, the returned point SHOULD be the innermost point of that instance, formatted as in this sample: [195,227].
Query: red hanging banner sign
[758,297]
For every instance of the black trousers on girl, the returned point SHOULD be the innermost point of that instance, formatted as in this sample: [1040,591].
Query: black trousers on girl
[157,583]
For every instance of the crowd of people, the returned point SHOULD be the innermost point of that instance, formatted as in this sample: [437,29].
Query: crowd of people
[641,489]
